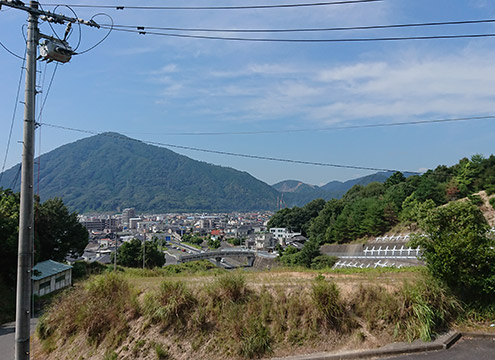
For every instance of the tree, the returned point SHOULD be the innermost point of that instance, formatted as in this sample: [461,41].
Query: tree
[213,244]
[58,232]
[458,250]
[130,254]
[9,233]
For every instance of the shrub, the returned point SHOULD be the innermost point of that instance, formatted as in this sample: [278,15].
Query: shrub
[475,199]
[171,305]
[458,251]
[323,262]
[230,287]
[326,299]
[375,305]
[99,309]
[425,307]
[492,202]
[255,340]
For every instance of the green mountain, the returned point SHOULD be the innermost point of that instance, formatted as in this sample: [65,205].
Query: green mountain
[297,193]
[109,172]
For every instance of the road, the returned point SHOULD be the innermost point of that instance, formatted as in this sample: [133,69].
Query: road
[464,349]
[7,338]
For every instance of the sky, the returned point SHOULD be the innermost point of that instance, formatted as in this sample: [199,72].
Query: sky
[303,101]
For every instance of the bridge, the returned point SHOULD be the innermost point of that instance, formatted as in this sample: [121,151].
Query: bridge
[219,255]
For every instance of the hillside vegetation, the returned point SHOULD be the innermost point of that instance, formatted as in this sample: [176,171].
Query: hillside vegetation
[376,208]
[109,172]
[234,316]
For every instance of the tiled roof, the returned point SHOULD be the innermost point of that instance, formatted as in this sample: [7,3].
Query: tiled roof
[48,268]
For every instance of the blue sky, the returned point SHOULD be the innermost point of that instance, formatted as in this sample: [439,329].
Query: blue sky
[150,87]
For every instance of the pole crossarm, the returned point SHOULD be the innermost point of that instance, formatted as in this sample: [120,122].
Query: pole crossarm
[47,15]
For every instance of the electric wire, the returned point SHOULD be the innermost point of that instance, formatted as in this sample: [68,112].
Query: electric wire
[16,178]
[346,28]
[13,117]
[110,29]
[228,153]
[49,23]
[47,92]
[78,24]
[11,52]
[40,118]
[343,40]
[330,128]
[244,7]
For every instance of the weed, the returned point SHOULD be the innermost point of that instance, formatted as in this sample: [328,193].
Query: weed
[171,305]
[375,305]
[326,298]
[110,355]
[425,307]
[100,309]
[230,287]
[255,340]
[161,353]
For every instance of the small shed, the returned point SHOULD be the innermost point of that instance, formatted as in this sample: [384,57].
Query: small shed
[49,276]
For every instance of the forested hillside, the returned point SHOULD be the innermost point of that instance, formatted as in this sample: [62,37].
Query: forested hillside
[109,172]
[376,208]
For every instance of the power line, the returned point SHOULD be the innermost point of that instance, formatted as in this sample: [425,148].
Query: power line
[347,28]
[246,7]
[48,91]
[228,153]
[13,118]
[330,128]
[11,52]
[395,38]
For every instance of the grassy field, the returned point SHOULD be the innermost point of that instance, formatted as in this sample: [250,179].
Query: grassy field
[195,311]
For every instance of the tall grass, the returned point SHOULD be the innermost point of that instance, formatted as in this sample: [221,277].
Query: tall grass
[418,309]
[100,309]
[171,305]
[425,307]
[227,318]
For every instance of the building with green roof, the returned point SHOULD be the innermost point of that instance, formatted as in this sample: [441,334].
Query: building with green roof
[49,276]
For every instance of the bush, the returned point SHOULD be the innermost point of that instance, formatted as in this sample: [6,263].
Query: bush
[231,287]
[171,305]
[100,309]
[425,307]
[475,199]
[326,298]
[323,262]
[492,202]
[458,251]
[255,340]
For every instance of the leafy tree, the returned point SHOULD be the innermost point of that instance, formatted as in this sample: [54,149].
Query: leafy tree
[130,254]
[458,251]
[294,257]
[323,262]
[9,233]
[297,219]
[395,179]
[213,244]
[58,232]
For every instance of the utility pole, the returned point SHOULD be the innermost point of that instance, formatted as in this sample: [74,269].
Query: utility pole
[26,216]
[144,249]
[59,51]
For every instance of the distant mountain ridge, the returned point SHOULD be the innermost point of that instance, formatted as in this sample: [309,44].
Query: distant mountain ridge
[297,193]
[109,172]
